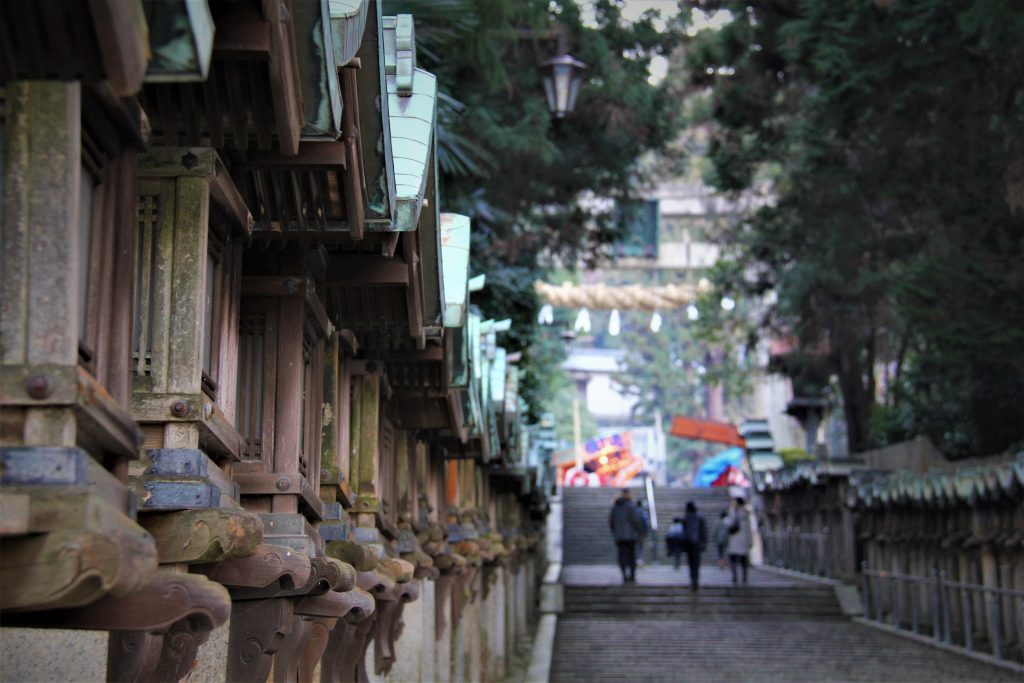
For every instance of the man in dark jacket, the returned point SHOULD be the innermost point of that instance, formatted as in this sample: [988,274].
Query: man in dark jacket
[627,528]
[696,540]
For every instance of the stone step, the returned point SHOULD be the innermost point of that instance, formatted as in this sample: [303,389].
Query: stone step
[779,628]
[590,648]
[587,539]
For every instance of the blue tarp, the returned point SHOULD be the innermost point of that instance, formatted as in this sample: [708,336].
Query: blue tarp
[713,467]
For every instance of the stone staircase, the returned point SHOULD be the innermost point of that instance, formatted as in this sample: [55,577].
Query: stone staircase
[793,634]
[638,601]
[586,538]
[778,629]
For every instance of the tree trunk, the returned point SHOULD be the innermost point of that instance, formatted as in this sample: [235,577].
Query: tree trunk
[856,379]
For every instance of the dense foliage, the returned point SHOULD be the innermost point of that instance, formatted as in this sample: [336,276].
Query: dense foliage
[891,134]
[515,171]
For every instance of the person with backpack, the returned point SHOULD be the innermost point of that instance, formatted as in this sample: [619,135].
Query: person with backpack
[675,541]
[741,538]
[695,540]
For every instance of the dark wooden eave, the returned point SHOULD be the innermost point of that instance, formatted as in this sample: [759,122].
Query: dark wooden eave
[251,98]
[94,41]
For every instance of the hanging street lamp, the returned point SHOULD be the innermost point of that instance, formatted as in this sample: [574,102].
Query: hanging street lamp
[562,77]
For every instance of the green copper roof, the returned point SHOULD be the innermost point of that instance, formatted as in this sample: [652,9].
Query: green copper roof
[498,378]
[318,72]
[428,235]
[991,479]
[458,369]
[412,108]
[455,229]
[375,123]
[348,21]
[476,359]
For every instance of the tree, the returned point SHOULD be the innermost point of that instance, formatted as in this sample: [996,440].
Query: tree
[519,175]
[892,136]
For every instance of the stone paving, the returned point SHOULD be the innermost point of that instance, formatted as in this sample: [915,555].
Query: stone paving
[778,628]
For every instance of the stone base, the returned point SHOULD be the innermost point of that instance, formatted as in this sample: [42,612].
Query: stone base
[44,655]
[212,658]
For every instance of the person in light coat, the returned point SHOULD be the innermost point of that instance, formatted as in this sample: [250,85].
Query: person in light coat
[741,538]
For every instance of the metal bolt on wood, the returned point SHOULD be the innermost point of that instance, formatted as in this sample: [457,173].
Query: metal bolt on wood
[39,386]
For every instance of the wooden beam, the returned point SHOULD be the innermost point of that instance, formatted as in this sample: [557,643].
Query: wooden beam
[310,156]
[275,285]
[288,417]
[242,35]
[284,75]
[103,418]
[225,193]
[317,311]
[123,40]
[355,183]
[366,271]
[414,294]
[431,354]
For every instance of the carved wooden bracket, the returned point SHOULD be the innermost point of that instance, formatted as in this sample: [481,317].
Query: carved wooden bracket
[269,565]
[423,563]
[316,644]
[325,574]
[316,621]
[463,591]
[78,549]
[348,641]
[358,605]
[401,571]
[315,616]
[344,661]
[442,597]
[389,613]
[451,563]
[208,535]
[289,654]
[360,555]
[155,657]
[156,631]
[377,583]
[258,630]
[388,625]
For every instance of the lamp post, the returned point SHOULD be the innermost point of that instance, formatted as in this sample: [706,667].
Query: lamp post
[562,76]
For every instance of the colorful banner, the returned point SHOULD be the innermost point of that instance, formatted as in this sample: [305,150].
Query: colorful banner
[608,461]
